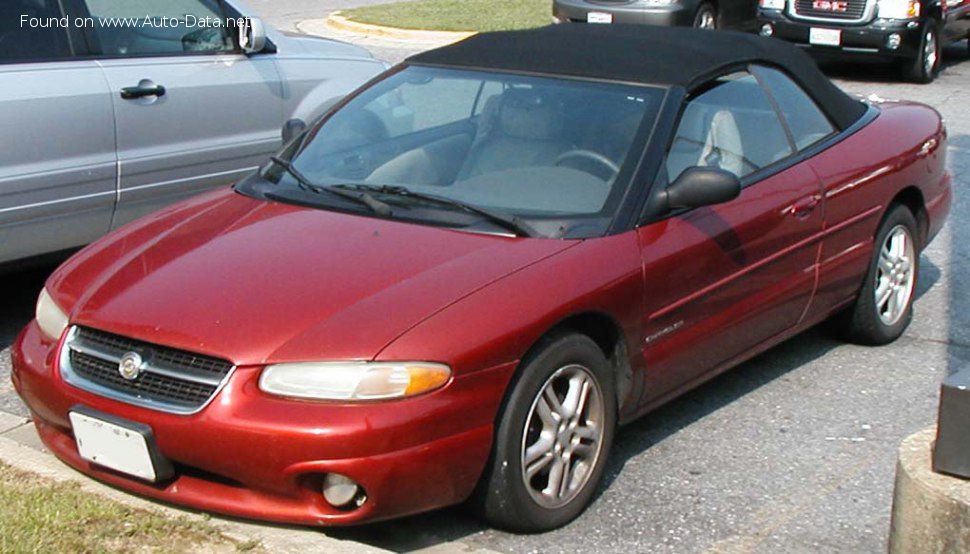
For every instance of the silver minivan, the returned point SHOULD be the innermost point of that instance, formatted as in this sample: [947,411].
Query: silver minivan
[110,109]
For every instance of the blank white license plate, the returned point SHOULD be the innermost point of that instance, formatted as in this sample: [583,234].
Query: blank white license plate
[825,37]
[113,446]
[599,17]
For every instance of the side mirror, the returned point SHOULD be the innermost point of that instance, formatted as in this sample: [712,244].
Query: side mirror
[702,186]
[292,129]
[252,35]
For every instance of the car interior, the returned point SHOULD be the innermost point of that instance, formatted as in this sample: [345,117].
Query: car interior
[731,126]
[533,145]
[174,34]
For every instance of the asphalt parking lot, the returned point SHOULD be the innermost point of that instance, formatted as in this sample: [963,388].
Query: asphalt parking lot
[792,452]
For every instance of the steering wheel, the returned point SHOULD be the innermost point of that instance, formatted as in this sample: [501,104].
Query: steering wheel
[600,159]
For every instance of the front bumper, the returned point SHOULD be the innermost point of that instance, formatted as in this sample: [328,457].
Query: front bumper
[858,41]
[577,11]
[255,456]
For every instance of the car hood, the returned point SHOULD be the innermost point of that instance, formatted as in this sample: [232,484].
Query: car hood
[298,45]
[259,282]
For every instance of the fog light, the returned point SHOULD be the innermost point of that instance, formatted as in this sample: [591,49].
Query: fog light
[893,41]
[767,30]
[340,490]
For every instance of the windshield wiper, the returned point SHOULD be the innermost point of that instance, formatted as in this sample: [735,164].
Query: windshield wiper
[304,183]
[509,222]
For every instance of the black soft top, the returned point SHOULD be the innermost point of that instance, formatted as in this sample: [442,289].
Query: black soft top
[672,56]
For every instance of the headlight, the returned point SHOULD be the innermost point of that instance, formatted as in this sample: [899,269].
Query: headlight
[899,9]
[772,4]
[50,318]
[660,2]
[351,381]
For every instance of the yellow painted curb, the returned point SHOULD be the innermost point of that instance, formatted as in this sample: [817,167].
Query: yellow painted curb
[342,23]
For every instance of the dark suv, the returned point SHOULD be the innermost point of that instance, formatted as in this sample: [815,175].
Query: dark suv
[911,31]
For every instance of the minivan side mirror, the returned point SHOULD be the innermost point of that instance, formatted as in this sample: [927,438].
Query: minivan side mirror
[292,129]
[252,35]
[702,186]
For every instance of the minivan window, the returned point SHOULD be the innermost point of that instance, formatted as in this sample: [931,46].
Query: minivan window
[32,30]
[151,28]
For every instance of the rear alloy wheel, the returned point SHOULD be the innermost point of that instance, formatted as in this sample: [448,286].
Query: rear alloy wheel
[885,304]
[552,439]
[706,17]
[926,65]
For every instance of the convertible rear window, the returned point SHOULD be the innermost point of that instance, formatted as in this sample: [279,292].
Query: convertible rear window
[527,146]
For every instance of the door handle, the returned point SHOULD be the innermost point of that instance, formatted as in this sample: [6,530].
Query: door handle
[804,207]
[131,93]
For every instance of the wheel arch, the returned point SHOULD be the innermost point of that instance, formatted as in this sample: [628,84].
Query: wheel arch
[606,332]
[912,198]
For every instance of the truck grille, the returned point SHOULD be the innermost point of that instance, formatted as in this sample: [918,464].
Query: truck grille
[837,11]
[169,380]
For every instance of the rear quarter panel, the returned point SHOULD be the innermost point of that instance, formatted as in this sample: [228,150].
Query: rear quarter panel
[902,148]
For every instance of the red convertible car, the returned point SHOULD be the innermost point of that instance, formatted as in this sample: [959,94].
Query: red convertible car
[457,284]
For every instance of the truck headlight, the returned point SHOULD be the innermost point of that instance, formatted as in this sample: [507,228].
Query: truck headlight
[353,381]
[899,9]
[50,317]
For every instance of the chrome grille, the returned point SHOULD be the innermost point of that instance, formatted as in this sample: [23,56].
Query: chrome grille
[170,380]
[856,11]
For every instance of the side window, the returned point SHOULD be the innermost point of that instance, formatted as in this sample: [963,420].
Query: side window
[32,30]
[806,121]
[151,28]
[731,126]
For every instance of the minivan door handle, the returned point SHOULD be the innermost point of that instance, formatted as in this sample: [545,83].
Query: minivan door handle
[131,93]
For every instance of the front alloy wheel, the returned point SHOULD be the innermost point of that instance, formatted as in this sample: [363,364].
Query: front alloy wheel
[563,437]
[552,437]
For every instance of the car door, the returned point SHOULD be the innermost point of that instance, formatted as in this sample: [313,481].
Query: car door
[192,112]
[57,161]
[722,281]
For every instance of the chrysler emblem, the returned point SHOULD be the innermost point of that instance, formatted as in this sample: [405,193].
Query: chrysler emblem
[130,366]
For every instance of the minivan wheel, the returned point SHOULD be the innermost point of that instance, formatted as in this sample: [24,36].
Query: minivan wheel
[552,439]
[706,17]
[925,66]
[884,307]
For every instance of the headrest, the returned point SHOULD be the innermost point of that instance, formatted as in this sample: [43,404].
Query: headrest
[528,115]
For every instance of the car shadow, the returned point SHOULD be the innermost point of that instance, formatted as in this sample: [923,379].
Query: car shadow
[887,72]
[20,290]
[455,524]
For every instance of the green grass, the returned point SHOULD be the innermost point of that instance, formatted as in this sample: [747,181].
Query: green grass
[40,515]
[457,15]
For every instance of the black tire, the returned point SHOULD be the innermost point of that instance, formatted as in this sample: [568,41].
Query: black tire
[505,497]
[706,17]
[864,322]
[921,69]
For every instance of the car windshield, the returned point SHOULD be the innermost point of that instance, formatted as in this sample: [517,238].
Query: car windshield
[541,153]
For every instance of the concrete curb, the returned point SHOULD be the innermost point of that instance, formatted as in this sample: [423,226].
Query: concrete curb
[338,22]
[931,512]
